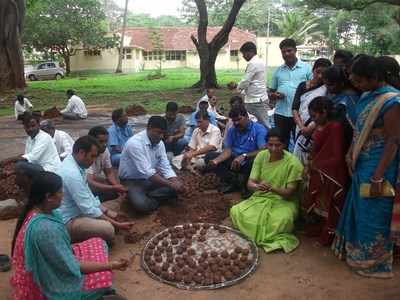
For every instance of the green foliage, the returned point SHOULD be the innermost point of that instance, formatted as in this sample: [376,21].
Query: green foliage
[60,25]
[146,20]
[158,45]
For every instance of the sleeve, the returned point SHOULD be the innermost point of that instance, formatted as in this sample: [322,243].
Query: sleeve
[299,92]
[193,140]
[261,137]
[192,121]
[28,103]
[138,155]
[37,151]
[274,82]
[67,144]
[112,139]
[257,166]
[229,138]
[107,160]
[181,122]
[251,70]
[69,107]
[309,74]
[213,119]
[295,170]
[163,163]
[88,204]
[216,138]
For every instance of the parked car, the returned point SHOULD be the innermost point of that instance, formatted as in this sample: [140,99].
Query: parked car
[47,70]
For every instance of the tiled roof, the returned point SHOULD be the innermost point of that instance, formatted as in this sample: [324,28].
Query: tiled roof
[178,38]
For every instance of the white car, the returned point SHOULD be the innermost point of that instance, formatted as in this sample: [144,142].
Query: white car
[47,70]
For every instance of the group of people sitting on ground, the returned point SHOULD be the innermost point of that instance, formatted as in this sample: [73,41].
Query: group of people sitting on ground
[348,201]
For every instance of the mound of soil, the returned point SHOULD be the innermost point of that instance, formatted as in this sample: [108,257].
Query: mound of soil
[199,204]
[135,110]
[185,109]
[8,188]
[51,113]
[232,85]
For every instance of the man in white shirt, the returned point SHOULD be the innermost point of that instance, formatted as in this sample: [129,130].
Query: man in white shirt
[75,109]
[21,106]
[206,138]
[62,140]
[253,84]
[40,148]
[100,174]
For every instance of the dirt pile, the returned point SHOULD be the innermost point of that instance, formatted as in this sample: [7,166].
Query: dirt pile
[51,113]
[231,86]
[200,203]
[135,110]
[8,188]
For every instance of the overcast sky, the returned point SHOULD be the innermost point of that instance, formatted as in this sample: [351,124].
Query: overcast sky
[153,7]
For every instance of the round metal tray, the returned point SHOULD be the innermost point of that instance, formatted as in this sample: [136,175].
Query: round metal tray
[215,241]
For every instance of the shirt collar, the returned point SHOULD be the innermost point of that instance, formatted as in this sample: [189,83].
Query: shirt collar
[299,64]
[207,131]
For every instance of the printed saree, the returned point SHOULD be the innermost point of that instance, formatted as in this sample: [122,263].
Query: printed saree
[363,233]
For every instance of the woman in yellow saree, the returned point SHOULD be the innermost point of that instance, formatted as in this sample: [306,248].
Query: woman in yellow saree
[268,216]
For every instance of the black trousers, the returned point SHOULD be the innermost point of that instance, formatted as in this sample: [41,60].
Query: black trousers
[286,126]
[226,174]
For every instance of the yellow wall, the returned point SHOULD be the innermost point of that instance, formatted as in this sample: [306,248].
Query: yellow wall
[108,59]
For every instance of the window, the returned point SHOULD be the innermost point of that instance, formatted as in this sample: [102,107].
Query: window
[153,55]
[234,55]
[42,67]
[92,52]
[175,55]
[51,65]
[127,53]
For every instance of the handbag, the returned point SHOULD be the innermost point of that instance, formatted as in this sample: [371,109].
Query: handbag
[387,190]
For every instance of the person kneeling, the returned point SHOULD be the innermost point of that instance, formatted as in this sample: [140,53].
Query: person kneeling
[45,264]
[268,216]
[206,138]
[81,211]
[144,168]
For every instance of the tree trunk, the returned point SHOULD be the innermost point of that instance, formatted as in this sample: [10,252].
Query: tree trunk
[121,47]
[208,51]
[67,60]
[11,59]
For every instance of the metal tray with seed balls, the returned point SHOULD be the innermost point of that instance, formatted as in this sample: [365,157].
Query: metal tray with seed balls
[199,256]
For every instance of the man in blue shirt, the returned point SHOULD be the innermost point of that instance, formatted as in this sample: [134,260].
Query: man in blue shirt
[81,211]
[243,142]
[119,133]
[145,170]
[284,84]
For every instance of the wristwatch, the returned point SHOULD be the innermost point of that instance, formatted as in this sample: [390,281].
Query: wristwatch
[244,155]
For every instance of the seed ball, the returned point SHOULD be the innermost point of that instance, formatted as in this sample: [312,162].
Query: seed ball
[180,264]
[185,271]
[170,259]
[227,262]
[242,265]
[201,239]
[186,226]
[157,270]
[193,231]
[171,277]
[214,268]
[192,264]
[234,255]
[206,226]
[178,277]
[180,235]
[201,260]
[208,281]
[191,251]
[214,254]
[224,254]
[243,259]
[179,250]
[165,243]
[228,275]
[198,279]
[158,259]
[169,249]
[204,254]
[148,252]
[188,278]
[196,226]
[222,230]
[203,232]
[188,242]
[151,246]
[164,275]
[212,261]
[174,269]
[246,251]
[236,271]
[238,250]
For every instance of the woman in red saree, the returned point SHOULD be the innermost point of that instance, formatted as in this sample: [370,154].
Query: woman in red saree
[327,171]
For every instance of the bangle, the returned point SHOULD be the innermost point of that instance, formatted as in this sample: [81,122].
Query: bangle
[376,181]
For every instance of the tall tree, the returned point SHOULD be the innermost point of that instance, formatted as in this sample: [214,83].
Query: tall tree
[208,51]
[121,43]
[62,26]
[11,60]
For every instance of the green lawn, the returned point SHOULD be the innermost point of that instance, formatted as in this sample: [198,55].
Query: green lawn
[124,89]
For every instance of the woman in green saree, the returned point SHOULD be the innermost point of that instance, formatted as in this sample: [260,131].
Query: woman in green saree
[268,216]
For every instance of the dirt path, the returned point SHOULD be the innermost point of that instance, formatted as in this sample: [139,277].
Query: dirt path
[307,273]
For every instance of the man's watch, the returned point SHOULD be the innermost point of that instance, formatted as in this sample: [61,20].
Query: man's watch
[244,155]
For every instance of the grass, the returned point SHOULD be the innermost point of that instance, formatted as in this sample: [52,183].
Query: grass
[115,90]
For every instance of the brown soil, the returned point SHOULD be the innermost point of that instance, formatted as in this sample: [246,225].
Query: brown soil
[135,110]
[51,113]
[232,85]
[198,204]
[8,188]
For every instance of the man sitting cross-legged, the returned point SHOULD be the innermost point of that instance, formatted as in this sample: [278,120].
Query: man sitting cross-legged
[81,211]
[144,168]
[206,138]
[100,175]
[243,142]
[62,140]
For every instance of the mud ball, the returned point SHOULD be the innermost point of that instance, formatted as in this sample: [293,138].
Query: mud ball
[214,268]
[148,252]
[188,242]
[228,275]
[212,261]
[203,232]
[165,267]
[243,259]
[222,230]
[174,269]
[236,271]
[192,231]
[227,262]
[157,270]
[201,260]
[196,226]
[204,254]
[191,251]
[198,279]
[201,239]
[181,235]
[224,254]
[158,259]
[246,251]
[186,271]
[214,254]
[178,276]
[179,250]
[157,253]
[192,264]
[170,259]
[216,227]
[204,266]
[186,226]
[238,250]
[206,226]
[171,277]
[217,279]
[170,230]
[242,265]
[180,264]
[188,235]
[169,249]
[234,255]
[208,281]
[164,275]
[188,279]
[151,246]
[175,229]
[165,243]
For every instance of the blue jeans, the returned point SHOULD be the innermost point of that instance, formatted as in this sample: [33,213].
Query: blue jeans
[115,158]
[176,147]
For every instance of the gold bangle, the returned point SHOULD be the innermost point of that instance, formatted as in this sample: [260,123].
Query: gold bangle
[376,181]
